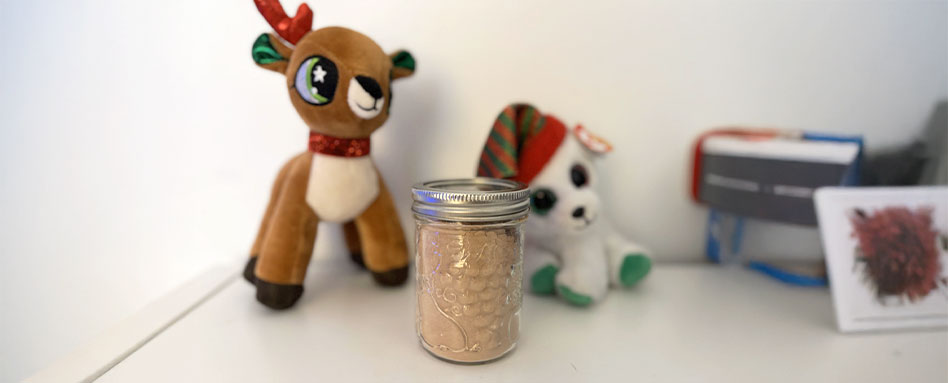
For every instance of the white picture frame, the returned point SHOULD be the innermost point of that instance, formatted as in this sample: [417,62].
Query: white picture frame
[861,228]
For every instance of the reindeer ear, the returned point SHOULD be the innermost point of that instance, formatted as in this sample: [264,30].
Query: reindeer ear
[270,53]
[403,64]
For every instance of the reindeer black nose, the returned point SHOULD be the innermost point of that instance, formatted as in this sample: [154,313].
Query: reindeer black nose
[579,212]
[371,86]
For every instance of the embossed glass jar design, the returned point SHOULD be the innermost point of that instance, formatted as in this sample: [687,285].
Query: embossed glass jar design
[468,262]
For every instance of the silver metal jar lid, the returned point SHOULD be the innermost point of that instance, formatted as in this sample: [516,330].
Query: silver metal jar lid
[471,199]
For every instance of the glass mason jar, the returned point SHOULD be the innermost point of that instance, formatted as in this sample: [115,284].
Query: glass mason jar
[468,262]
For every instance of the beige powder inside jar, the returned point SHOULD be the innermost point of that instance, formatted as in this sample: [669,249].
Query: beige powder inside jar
[469,279]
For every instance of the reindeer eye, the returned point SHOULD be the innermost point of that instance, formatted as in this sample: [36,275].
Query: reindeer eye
[316,80]
[542,201]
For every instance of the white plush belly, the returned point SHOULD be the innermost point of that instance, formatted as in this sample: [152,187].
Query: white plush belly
[341,188]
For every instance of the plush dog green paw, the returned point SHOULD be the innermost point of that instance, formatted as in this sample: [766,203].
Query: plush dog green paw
[543,281]
[634,268]
[574,297]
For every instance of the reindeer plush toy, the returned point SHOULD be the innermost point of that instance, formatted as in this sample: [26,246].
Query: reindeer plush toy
[571,250]
[339,81]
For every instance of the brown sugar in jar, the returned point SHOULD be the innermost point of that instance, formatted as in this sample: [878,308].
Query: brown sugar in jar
[469,256]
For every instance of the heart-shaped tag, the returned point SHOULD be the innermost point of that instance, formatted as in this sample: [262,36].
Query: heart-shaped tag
[591,141]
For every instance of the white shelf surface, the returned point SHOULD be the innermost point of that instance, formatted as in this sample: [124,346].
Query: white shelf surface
[685,323]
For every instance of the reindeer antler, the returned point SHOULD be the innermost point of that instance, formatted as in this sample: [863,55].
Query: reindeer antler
[290,29]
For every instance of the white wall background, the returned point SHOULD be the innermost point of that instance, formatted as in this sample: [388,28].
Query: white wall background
[138,140]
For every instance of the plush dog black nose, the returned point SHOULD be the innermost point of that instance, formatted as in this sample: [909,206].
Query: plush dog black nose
[579,212]
[371,86]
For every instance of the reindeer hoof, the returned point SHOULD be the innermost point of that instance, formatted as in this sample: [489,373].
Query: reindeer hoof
[248,270]
[357,259]
[277,296]
[393,277]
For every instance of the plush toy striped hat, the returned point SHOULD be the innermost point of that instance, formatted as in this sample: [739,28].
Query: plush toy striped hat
[520,144]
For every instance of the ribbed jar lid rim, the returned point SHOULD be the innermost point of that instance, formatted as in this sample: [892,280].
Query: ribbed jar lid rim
[471,199]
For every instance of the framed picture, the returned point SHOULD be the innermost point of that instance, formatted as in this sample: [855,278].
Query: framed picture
[887,255]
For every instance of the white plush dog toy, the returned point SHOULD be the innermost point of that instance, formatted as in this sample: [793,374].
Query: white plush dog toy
[570,249]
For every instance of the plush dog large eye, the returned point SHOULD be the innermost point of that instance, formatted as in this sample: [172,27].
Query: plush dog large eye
[542,201]
[316,80]
[578,175]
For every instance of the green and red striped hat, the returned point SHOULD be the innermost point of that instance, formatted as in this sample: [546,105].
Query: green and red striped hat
[520,144]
